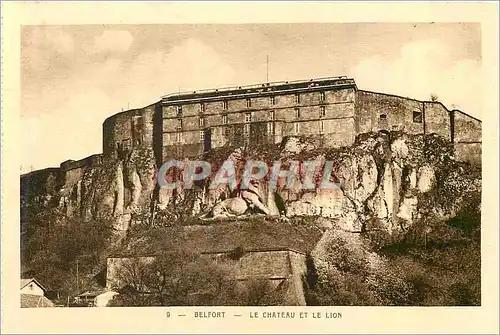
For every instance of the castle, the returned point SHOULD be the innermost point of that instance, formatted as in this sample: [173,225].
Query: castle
[328,111]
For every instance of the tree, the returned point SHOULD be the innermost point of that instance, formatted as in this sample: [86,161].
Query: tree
[434,97]
[173,278]
[55,244]
[180,278]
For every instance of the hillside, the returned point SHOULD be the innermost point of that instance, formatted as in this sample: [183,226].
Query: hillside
[403,228]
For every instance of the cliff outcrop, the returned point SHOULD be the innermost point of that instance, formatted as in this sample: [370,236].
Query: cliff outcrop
[382,179]
[386,187]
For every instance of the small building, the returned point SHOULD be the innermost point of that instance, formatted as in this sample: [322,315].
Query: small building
[94,298]
[33,294]
[284,269]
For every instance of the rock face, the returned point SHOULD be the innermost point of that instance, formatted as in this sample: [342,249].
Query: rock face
[120,188]
[385,182]
[382,177]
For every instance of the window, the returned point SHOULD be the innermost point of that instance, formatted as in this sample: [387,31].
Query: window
[179,110]
[248,117]
[179,124]
[246,130]
[270,128]
[322,96]
[296,127]
[202,122]
[271,115]
[321,127]
[202,136]
[417,116]
[297,113]
[202,107]
[224,119]
[226,131]
[272,100]
[224,105]
[383,116]
[322,111]
[297,98]
[179,137]
[249,103]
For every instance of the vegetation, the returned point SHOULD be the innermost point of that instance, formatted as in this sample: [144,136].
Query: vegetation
[223,235]
[436,263]
[56,246]
[435,260]
[180,278]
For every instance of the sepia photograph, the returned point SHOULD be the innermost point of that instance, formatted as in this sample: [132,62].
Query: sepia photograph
[251,165]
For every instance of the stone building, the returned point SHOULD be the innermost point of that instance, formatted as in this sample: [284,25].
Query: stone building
[330,112]
[321,109]
[284,269]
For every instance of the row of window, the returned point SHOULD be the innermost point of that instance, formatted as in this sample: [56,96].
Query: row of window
[272,101]
[248,117]
[417,117]
[246,131]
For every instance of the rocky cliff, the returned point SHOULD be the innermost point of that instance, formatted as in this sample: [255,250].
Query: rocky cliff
[387,183]
[382,180]
[382,177]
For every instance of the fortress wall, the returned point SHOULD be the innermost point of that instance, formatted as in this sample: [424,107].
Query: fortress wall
[399,113]
[437,119]
[274,265]
[176,151]
[145,126]
[129,129]
[299,270]
[466,128]
[339,132]
[72,171]
[336,132]
[467,137]
[116,130]
[265,264]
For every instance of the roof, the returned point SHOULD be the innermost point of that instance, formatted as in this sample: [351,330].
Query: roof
[91,293]
[264,88]
[25,282]
[31,300]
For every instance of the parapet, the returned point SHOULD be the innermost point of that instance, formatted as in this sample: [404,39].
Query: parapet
[261,89]
[93,160]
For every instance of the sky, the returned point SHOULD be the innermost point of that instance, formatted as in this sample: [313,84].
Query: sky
[74,77]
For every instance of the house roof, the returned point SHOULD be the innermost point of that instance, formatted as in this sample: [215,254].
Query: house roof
[31,300]
[25,282]
[91,293]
